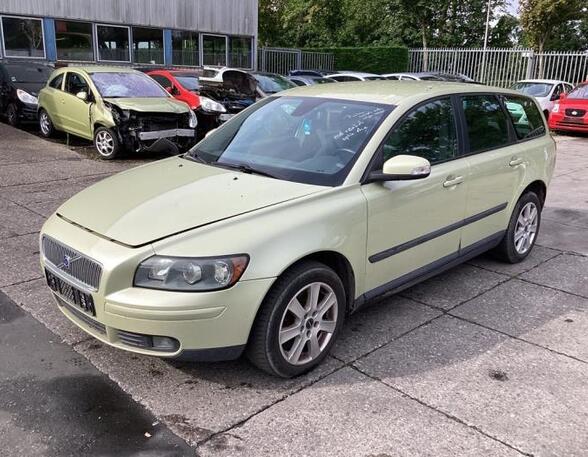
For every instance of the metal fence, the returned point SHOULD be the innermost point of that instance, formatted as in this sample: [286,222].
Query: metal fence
[502,67]
[283,60]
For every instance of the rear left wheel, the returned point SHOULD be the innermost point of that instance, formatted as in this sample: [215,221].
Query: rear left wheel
[522,230]
[299,321]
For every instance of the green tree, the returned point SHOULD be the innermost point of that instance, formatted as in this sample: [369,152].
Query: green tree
[540,18]
[506,33]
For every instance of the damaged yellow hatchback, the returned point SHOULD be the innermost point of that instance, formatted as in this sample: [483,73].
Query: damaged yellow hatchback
[267,233]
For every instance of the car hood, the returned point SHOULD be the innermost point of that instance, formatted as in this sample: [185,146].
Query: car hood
[31,88]
[150,104]
[171,196]
[574,102]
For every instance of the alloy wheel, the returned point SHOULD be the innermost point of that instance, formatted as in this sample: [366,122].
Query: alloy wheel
[105,143]
[526,228]
[308,323]
[12,115]
[45,123]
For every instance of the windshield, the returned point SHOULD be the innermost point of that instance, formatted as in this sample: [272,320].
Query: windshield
[579,92]
[126,85]
[533,89]
[189,82]
[323,81]
[28,74]
[272,84]
[303,139]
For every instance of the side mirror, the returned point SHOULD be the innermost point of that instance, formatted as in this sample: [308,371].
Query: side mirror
[83,95]
[402,168]
[562,96]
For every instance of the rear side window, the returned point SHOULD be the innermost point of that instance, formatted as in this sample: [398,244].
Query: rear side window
[162,80]
[56,82]
[428,132]
[487,124]
[525,116]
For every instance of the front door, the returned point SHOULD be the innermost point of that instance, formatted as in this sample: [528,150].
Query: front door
[75,112]
[414,226]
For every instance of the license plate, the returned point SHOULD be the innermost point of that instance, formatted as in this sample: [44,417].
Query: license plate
[225,117]
[574,120]
[70,294]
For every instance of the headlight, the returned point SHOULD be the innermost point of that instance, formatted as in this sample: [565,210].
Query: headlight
[190,274]
[210,105]
[555,108]
[25,97]
[193,122]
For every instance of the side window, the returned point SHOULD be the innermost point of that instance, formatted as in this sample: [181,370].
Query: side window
[428,132]
[162,80]
[487,124]
[568,88]
[56,82]
[75,83]
[557,92]
[525,116]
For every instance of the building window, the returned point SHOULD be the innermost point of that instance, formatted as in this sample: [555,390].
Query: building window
[113,43]
[23,37]
[240,55]
[185,48]
[214,50]
[147,45]
[74,40]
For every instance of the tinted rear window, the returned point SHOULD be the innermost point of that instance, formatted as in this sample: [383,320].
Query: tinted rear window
[487,123]
[525,116]
[28,73]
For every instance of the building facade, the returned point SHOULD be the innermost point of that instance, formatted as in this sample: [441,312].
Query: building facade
[134,32]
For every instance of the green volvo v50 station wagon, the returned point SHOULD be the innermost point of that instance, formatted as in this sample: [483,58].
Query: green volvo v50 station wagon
[267,233]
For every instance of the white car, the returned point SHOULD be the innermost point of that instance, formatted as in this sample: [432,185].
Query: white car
[354,76]
[545,91]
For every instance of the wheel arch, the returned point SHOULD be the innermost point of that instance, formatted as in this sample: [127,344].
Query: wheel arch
[339,264]
[539,188]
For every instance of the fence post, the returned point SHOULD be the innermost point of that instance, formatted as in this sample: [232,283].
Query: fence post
[299,59]
[530,64]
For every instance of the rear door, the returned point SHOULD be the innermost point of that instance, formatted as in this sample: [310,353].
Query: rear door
[496,167]
[75,112]
[413,226]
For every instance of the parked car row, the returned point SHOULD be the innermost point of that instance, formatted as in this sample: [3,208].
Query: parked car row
[158,109]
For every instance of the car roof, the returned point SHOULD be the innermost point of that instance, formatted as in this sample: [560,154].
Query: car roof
[545,81]
[390,92]
[99,69]
[353,73]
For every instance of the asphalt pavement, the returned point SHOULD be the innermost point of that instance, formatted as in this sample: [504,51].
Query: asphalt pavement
[487,359]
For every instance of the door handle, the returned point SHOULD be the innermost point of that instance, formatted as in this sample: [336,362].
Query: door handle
[452,181]
[515,161]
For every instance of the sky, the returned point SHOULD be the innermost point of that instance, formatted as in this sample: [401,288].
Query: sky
[512,7]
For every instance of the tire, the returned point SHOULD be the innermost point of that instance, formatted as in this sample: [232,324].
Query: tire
[45,124]
[522,230]
[106,143]
[310,337]
[12,115]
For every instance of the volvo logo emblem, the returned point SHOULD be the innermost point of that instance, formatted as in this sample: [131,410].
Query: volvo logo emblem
[66,262]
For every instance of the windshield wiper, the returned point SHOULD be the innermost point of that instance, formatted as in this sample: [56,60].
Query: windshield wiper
[245,168]
[193,155]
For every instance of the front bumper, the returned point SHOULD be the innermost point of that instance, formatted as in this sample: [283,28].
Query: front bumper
[206,325]
[568,123]
[172,133]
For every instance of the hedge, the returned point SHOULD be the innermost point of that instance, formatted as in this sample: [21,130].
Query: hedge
[380,59]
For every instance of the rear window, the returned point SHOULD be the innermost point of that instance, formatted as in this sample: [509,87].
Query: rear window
[487,123]
[525,116]
[29,73]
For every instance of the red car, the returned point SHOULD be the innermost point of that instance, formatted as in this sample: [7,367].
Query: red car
[184,85]
[570,113]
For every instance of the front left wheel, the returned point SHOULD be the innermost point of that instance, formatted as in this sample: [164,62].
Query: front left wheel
[12,115]
[299,321]
[106,143]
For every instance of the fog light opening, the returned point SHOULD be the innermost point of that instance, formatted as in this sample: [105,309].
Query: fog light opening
[164,343]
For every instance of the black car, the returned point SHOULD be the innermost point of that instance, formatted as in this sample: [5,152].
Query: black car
[20,83]
[317,73]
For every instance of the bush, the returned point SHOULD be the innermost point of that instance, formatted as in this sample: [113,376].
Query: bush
[380,59]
